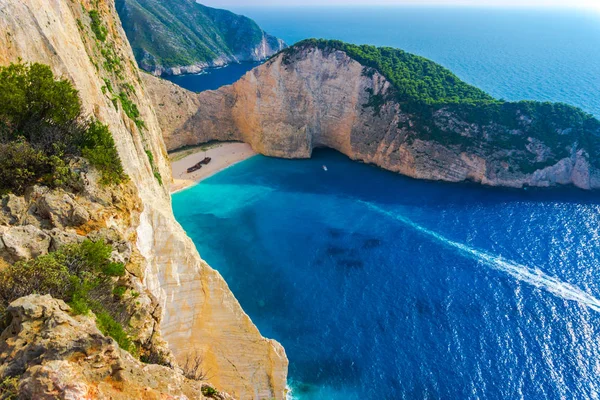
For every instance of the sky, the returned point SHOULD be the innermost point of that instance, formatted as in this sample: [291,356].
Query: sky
[589,4]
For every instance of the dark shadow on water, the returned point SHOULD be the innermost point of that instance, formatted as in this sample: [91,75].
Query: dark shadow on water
[336,251]
[330,368]
[351,264]
[371,244]
[335,233]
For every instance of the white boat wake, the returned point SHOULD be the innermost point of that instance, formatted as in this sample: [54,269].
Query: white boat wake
[523,273]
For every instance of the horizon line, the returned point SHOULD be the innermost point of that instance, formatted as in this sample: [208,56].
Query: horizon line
[521,6]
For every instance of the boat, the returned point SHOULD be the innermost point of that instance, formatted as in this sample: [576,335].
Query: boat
[324,167]
[206,160]
[194,168]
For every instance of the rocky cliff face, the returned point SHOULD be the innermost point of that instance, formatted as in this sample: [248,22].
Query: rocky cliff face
[181,36]
[58,355]
[317,98]
[198,311]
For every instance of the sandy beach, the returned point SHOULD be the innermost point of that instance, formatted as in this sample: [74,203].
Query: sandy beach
[223,155]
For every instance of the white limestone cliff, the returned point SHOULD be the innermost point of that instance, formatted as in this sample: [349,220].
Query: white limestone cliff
[199,311]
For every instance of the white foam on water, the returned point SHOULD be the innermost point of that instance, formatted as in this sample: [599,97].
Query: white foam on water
[523,273]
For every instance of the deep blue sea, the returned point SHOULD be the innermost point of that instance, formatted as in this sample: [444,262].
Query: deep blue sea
[546,55]
[212,78]
[383,287]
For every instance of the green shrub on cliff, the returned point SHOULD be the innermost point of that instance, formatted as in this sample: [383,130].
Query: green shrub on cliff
[98,26]
[21,165]
[415,78]
[42,127]
[98,146]
[82,275]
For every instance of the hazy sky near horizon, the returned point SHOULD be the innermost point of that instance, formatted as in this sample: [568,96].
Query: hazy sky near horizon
[590,4]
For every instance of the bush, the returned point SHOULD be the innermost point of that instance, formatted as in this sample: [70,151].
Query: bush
[109,327]
[42,128]
[154,168]
[97,26]
[82,275]
[209,391]
[29,93]
[131,110]
[192,368]
[98,146]
[45,275]
[9,388]
[21,166]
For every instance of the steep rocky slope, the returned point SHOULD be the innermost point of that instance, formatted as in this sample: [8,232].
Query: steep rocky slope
[313,96]
[85,43]
[58,355]
[181,36]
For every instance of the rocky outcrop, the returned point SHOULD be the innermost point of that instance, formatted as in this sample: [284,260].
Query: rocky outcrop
[194,306]
[48,353]
[313,98]
[44,220]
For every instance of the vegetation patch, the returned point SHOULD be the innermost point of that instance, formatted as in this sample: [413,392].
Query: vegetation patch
[112,62]
[415,78]
[9,388]
[186,33]
[83,275]
[153,166]
[42,127]
[209,391]
[131,109]
[97,26]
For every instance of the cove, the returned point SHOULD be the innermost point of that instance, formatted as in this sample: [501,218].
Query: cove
[212,78]
[379,286]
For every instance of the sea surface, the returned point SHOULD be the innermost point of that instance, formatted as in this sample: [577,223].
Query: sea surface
[384,287]
[212,78]
[527,54]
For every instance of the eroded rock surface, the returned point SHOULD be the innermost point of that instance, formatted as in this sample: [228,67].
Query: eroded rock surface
[52,354]
[319,98]
[184,300]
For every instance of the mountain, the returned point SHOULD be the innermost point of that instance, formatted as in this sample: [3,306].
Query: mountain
[387,107]
[181,36]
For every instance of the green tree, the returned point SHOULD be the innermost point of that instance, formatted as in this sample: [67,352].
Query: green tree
[42,128]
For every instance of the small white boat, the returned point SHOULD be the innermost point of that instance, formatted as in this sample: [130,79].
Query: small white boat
[324,167]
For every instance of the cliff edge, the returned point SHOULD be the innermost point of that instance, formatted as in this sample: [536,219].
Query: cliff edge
[195,312]
[388,108]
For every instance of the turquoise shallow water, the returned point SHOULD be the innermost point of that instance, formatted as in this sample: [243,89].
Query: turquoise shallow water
[383,287]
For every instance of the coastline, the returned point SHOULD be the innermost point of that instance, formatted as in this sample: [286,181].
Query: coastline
[223,156]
